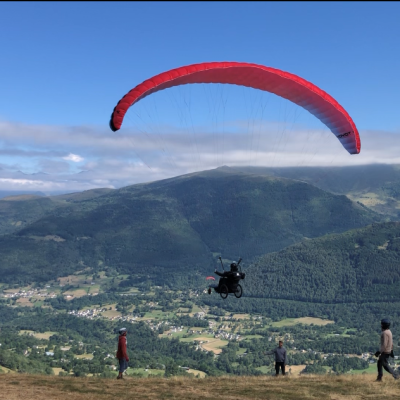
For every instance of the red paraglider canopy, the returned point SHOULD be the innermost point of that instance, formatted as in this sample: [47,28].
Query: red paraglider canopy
[284,84]
[209,278]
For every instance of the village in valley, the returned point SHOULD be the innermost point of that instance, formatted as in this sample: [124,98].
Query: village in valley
[179,314]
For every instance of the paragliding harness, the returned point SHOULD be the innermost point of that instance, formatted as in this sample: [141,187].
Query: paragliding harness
[229,282]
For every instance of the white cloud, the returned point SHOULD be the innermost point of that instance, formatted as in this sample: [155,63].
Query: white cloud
[28,184]
[73,157]
[132,156]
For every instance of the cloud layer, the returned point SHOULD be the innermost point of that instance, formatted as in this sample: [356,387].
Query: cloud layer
[61,158]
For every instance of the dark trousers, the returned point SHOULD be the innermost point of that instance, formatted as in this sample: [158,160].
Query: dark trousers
[383,362]
[123,365]
[280,365]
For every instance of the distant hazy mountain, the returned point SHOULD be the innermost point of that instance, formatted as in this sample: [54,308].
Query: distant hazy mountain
[6,193]
[377,186]
[22,209]
[175,223]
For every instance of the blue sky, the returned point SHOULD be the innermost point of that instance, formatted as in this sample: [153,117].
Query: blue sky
[65,65]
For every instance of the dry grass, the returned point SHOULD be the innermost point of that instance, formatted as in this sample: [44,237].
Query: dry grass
[31,387]
[197,373]
[71,279]
[302,320]
[5,370]
[295,369]
[44,335]
[84,356]
[38,335]
[24,302]
[211,344]
[241,316]
[75,293]
[369,199]
[113,313]
[384,246]
[215,345]
[57,370]
[312,320]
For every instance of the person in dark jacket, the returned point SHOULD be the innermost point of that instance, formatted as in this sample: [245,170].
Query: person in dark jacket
[122,354]
[229,277]
[280,358]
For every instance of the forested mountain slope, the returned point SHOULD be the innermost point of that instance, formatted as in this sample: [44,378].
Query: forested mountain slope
[361,265]
[176,223]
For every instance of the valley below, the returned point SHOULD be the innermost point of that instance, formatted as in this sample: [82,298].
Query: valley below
[321,272]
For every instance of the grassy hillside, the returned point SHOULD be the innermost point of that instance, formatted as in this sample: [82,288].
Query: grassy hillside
[177,223]
[359,387]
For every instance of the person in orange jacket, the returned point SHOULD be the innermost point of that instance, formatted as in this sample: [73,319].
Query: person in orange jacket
[122,354]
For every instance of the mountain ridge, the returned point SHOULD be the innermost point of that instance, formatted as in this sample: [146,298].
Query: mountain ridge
[175,223]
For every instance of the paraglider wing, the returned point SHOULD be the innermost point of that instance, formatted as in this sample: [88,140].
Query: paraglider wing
[284,84]
[210,278]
